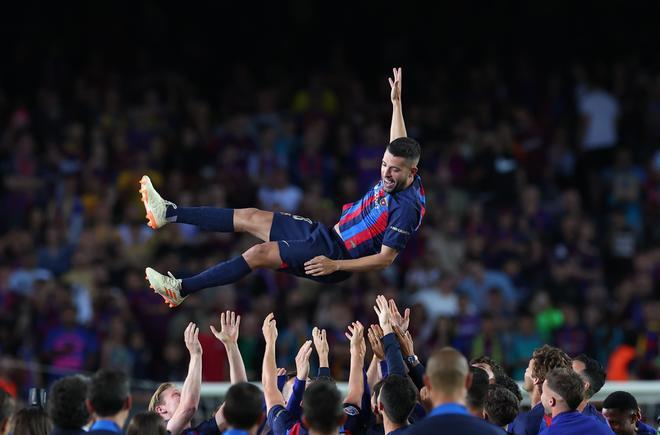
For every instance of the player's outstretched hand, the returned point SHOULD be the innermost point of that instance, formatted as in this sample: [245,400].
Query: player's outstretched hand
[302,360]
[320,265]
[355,335]
[397,319]
[269,329]
[321,344]
[191,337]
[382,309]
[229,326]
[375,335]
[395,84]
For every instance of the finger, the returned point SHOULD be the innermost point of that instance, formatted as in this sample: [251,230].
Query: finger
[323,335]
[222,320]
[391,82]
[238,321]
[377,310]
[213,330]
[233,318]
[406,314]
[315,332]
[347,336]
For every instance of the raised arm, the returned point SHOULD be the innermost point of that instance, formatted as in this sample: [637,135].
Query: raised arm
[355,335]
[228,335]
[374,334]
[190,392]
[398,127]
[302,372]
[395,364]
[323,350]
[272,395]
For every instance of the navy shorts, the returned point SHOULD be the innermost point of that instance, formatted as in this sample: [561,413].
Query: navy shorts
[300,239]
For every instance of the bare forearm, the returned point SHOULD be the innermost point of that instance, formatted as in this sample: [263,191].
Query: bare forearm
[272,395]
[398,126]
[373,376]
[190,391]
[364,264]
[355,381]
[236,366]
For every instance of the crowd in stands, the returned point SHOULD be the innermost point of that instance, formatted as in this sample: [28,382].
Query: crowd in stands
[542,194]
[390,393]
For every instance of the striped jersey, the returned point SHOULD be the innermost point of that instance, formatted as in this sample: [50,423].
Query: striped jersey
[382,218]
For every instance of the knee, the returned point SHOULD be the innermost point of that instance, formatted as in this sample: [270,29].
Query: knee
[259,255]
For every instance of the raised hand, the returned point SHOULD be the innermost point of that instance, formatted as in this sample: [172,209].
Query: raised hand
[405,341]
[302,360]
[375,335]
[269,329]
[395,84]
[191,338]
[229,326]
[355,335]
[382,309]
[397,319]
[321,345]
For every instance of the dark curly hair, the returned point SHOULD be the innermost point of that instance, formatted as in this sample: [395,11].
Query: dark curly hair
[501,405]
[511,385]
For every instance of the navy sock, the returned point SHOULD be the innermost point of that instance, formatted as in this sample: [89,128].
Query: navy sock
[207,218]
[220,274]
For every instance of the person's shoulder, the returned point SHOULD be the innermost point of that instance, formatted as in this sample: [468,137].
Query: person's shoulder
[645,429]
[469,425]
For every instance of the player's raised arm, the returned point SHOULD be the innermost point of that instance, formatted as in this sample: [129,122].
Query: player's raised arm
[228,335]
[269,370]
[398,127]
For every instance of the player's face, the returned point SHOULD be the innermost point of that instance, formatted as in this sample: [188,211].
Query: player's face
[396,173]
[622,423]
[170,399]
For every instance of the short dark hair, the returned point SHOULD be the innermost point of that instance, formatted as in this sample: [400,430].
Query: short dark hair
[66,402]
[243,405]
[547,358]
[31,420]
[147,422]
[568,385]
[322,406]
[398,396]
[108,392]
[494,366]
[621,400]
[405,147]
[501,405]
[594,373]
[511,385]
[476,394]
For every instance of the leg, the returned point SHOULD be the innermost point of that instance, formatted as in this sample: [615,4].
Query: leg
[263,255]
[160,212]
[226,220]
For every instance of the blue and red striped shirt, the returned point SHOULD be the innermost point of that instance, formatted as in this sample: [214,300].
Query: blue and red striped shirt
[382,218]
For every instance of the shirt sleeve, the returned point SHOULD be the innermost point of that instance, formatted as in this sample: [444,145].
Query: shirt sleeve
[393,355]
[208,427]
[280,420]
[354,423]
[401,224]
[293,404]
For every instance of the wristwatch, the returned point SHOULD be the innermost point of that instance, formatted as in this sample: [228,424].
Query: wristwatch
[412,360]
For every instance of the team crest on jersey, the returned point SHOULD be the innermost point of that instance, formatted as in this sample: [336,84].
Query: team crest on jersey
[382,202]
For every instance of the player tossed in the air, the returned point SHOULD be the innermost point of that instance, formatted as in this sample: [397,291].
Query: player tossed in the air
[368,236]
